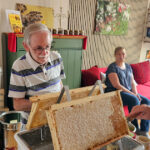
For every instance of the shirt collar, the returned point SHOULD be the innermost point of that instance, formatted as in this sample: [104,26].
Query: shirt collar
[33,63]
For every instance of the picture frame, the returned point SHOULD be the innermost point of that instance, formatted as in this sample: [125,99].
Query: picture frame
[148,54]
[111,18]
[148,32]
[31,14]
[13,18]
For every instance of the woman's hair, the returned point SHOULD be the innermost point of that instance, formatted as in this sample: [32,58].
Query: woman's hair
[37,27]
[117,49]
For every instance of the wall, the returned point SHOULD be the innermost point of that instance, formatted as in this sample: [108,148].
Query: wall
[100,48]
[55,4]
[145,45]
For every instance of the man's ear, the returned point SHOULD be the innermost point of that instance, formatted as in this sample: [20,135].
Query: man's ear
[26,47]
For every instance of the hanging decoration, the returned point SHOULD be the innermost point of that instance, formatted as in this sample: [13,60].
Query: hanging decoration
[111,18]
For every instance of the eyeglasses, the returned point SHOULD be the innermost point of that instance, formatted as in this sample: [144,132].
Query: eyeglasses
[41,49]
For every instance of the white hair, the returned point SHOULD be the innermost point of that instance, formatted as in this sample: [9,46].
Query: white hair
[37,27]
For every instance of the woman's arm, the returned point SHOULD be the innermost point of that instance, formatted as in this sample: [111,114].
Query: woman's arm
[133,84]
[113,77]
[134,89]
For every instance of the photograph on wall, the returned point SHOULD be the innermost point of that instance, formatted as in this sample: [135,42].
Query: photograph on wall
[111,18]
[148,54]
[34,14]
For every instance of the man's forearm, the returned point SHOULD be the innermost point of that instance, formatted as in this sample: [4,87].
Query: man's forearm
[21,104]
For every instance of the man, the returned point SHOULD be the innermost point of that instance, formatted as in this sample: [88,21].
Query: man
[140,112]
[39,71]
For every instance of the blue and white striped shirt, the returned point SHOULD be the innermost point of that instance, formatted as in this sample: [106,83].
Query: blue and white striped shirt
[28,78]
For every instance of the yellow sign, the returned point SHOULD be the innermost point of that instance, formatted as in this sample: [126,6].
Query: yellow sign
[33,14]
[15,22]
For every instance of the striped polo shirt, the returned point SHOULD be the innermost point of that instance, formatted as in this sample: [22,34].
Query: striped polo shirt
[28,78]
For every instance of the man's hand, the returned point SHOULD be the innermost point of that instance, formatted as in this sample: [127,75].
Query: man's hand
[140,112]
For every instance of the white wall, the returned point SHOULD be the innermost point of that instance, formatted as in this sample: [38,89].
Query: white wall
[11,4]
[100,47]
[145,45]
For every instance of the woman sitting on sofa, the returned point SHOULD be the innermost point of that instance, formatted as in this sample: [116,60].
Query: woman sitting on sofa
[119,76]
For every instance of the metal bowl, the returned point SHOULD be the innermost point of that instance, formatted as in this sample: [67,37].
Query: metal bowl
[7,117]
[132,128]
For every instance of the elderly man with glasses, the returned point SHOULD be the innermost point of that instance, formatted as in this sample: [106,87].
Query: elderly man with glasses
[39,71]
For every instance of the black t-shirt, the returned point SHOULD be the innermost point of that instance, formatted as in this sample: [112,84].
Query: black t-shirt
[124,75]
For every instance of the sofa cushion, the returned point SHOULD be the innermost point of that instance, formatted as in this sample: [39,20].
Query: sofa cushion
[126,111]
[103,77]
[144,90]
[147,84]
[102,69]
[141,72]
[102,74]
[90,76]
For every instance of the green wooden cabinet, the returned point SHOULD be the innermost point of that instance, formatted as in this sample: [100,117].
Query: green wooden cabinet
[71,52]
[69,49]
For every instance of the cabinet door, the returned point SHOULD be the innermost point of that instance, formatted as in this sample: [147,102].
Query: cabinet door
[8,60]
[71,53]
[72,60]
[12,56]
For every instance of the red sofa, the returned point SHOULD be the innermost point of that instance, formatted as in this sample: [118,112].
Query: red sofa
[141,72]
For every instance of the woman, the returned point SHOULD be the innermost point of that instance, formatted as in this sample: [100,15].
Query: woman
[119,76]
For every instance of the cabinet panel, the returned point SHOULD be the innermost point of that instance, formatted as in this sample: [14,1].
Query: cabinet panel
[58,44]
[67,43]
[19,43]
[72,60]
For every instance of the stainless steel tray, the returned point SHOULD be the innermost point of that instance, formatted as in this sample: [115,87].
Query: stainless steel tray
[37,139]
[125,143]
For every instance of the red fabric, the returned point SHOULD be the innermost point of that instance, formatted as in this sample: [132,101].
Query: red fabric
[144,90]
[147,83]
[12,42]
[90,76]
[102,70]
[126,111]
[84,42]
[141,72]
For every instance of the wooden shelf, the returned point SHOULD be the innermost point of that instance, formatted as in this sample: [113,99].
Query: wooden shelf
[4,109]
[59,36]
[1,91]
